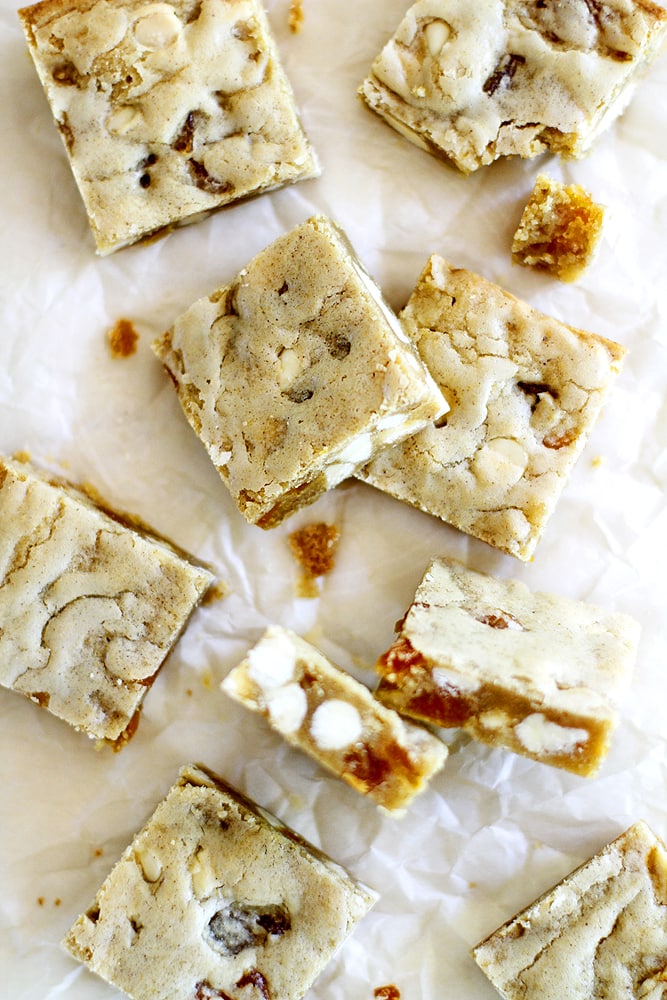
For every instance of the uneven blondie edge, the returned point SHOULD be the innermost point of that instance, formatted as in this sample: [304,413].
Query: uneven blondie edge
[472,82]
[90,603]
[213,896]
[524,392]
[168,109]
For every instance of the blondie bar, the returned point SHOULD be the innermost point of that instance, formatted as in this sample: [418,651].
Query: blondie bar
[335,719]
[524,391]
[90,603]
[168,109]
[216,899]
[538,674]
[296,373]
[472,82]
[602,932]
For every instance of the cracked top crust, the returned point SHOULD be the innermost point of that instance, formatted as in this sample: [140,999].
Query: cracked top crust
[524,392]
[475,81]
[214,895]
[90,605]
[602,932]
[168,110]
[296,373]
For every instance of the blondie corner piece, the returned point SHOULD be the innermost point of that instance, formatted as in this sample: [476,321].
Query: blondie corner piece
[524,391]
[559,229]
[602,932]
[90,603]
[296,373]
[472,82]
[538,674]
[168,109]
[335,719]
[216,899]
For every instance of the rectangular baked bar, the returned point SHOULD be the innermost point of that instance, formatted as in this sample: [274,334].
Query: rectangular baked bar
[524,392]
[539,674]
[601,932]
[472,82]
[90,603]
[216,899]
[334,718]
[296,373]
[168,108]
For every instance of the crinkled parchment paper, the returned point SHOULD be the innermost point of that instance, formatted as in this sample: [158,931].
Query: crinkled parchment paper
[493,830]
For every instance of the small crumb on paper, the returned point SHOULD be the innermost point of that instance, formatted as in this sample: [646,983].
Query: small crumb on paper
[387,993]
[123,339]
[314,548]
[295,16]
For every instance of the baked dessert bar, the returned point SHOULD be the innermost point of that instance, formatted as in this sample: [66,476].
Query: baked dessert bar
[559,229]
[216,899]
[472,82]
[538,674]
[524,391]
[168,109]
[296,373]
[602,932]
[90,603]
[335,719]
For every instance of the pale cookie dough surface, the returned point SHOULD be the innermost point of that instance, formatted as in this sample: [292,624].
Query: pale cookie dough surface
[538,673]
[168,110]
[333,717]
[296,373]
[524,392]
[601,932]
[476,81]
[215,898]
[90,606]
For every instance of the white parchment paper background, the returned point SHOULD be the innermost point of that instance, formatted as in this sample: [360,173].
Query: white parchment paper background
[493,830]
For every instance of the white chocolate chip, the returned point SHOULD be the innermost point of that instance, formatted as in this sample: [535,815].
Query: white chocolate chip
[502,459]
[203,876]
[289,367]
[287,708]
[357,451]
[335,724]
[272,662]
[437,35]
[538,735]
[158,29]
[149,862]
[122,119]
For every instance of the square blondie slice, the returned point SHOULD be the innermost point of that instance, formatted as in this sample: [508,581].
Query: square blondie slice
[334,718]
[524,391]
[538,674]
[559,229]
[216,898]
[296,373]
[91,603]
[472,82]
[168,109]
[601,932]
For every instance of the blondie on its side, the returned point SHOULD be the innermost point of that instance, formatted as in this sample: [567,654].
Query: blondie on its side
[91,603]
[334,718]
[472,82]
[296,373]
[602,932]
[168,109]
[538,674]
[524,392]
[215,898]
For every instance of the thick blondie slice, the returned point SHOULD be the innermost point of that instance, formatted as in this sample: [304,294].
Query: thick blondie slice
[475,81]
[90,603]
[333,717]
[538,674]
[602,932]
[168,109]
[524,392]
[216,899]
[295,374]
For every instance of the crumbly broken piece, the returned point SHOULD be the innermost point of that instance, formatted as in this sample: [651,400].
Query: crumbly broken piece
[168,109]
[559,229]
[214,895]
[90,603]
[524,391]
[314,548]
[601,932]
[472,82]
[334,718]
[538,674]
[296,373]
